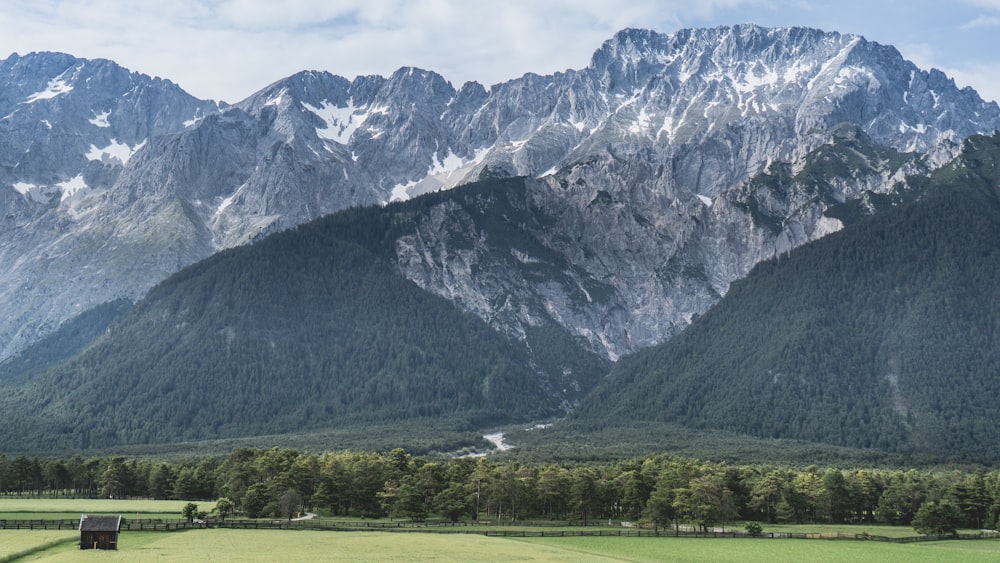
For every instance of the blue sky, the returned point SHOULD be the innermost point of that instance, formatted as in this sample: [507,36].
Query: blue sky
[228,49]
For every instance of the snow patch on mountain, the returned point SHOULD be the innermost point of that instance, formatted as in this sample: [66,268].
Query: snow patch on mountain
[100,119]
[445,165]
[341,122]
[24,188]
[71,187]
[444,173]
[56,87]
[115,150]
[276,99]
[31,191]
[643,122]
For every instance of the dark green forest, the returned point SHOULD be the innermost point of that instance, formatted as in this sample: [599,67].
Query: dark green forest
[656,491]
[65,342]
[884,335]
[307,329]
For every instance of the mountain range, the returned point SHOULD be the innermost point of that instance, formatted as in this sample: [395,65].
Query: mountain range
[637,190]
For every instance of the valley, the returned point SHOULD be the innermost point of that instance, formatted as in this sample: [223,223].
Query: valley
[437,284]
[774,236]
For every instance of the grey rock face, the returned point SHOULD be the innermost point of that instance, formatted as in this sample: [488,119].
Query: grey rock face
[69,129]
[652,150]
[644,161]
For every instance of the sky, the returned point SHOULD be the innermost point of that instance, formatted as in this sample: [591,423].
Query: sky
[228,49]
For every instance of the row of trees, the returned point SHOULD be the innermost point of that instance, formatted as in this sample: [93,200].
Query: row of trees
[660,490]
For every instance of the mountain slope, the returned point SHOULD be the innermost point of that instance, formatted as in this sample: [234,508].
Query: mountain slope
[308,329]
[69,127]
[71,338]
[883,335]
[659,132]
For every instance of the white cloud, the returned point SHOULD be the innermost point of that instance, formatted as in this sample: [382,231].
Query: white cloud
[987,4]
[982,21]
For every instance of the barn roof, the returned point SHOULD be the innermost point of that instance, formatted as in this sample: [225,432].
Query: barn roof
[90,523]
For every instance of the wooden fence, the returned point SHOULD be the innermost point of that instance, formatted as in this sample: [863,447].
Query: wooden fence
[160,525]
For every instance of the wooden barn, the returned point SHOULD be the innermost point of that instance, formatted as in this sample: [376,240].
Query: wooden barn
[99,532]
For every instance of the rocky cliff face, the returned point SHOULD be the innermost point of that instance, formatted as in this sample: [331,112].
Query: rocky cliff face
[648,160]
[69,129]
[620,273]
[644,162]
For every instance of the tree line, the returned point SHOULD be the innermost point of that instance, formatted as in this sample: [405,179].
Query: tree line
[660,490]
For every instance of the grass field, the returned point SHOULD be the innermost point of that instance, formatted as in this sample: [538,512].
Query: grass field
[250,545]
[14,542]
[767,550]
[75,515]
[874,530]
[304,545]
[273,545]
[14,508]
[77,505]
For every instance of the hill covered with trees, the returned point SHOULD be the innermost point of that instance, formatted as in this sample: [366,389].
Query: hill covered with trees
[884,335]
[307,329]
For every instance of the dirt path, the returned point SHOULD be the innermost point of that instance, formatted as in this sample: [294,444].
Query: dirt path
[308,516]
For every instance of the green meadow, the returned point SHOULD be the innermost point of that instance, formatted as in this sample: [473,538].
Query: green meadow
[768,550]
[78,505]
[285,545]
[25,508]
[17,543]
[309,545]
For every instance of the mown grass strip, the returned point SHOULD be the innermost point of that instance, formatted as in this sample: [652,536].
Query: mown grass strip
[96,506]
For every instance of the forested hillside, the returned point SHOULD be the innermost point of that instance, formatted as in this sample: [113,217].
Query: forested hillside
[306,329]
[68,340]
[884,335]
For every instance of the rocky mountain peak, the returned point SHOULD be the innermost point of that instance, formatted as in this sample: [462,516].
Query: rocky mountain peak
[632,45]
[69,128]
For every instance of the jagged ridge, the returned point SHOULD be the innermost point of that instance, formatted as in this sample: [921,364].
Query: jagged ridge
[665,128]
